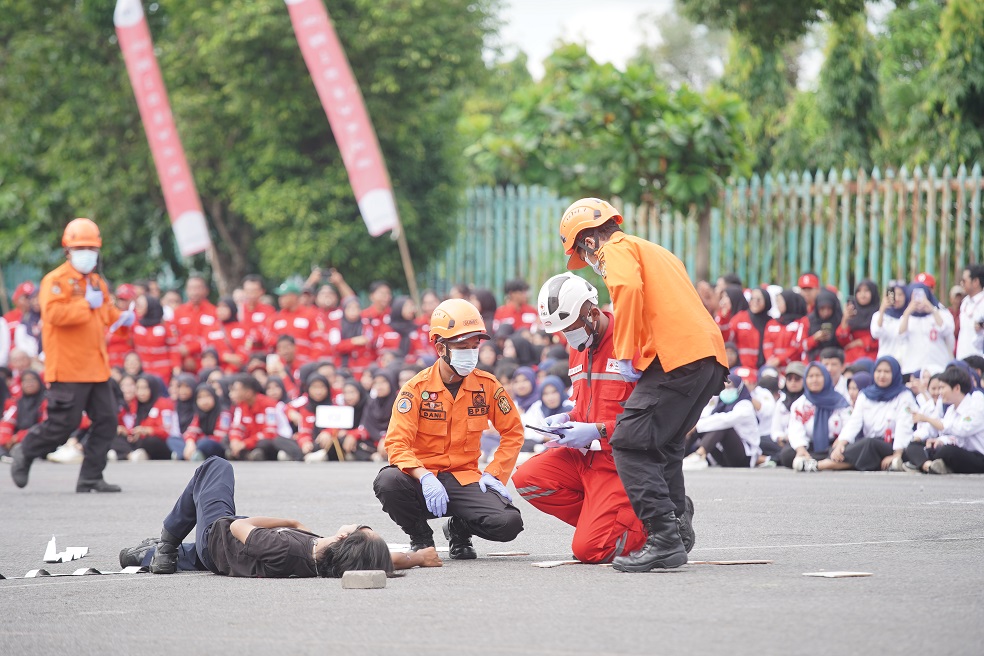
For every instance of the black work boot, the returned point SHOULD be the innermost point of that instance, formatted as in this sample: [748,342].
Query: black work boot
[96,485]
[133,556]
[663,549]
[20,467]
[165,560]
[422,537]
[459,540]
[686,524]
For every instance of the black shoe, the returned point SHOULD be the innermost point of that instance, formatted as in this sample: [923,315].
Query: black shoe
[418,542]
[165,560]
[96,485]
[686,524]
[20,467]
[133,556]
[459,540]
[663,549]
[256,455]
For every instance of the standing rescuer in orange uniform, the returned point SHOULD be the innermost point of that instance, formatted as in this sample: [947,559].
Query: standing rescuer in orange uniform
[433,443]
[76,311]
[665,342]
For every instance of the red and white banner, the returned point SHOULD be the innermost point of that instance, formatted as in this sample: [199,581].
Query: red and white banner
[347,116]
[180,194]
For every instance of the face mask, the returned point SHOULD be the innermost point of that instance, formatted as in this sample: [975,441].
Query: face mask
[463,361]
[580,338]
[596,267]
[729,396]
[84,261]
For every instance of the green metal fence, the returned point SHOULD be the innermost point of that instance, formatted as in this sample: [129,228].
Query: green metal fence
[844,226]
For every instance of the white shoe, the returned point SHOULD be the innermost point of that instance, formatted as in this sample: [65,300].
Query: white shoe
[939,467]
[694,462]
[316,456]
[283,457]
[66,455]
[138,455]
[896,465]
[802,464]
[111,455]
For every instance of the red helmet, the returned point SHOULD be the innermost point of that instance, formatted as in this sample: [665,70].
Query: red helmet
[126,292]
[26,288]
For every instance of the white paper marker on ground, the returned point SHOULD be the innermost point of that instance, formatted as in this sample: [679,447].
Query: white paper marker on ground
[51,554]
[836,575]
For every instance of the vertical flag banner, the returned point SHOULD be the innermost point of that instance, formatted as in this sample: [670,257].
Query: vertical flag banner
[180,195]
[340,96]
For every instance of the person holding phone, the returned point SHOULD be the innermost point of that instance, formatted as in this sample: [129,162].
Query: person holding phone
[854,331]
[826,314]
[926,331]
[885,322]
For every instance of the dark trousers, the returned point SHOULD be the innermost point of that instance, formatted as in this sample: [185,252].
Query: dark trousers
[66,402]
[867,452]
[725,447]
[960,460]
[209,495]
[769,446]
[649,437]
[788,454]
[485,514]
[270,448]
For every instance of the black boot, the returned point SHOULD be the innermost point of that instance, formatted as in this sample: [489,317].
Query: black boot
[96,485]
[20,466]
[133,556]
[459,540]
[663,549]
[686,524]
[422,537]
[165,560]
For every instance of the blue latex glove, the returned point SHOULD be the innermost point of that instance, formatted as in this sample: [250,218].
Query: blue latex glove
[489,481]
[628,372]
[557,420]
[127,317]
[94,297]
[435,495]
[578,435]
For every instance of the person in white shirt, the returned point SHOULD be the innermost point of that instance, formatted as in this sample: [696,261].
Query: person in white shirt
[959,446]
[729,431]
[793,391]
[832,359]
[816,419]
[765,398]
[880,426]
[925,331]
[971,337]
[858,382]
[885,322]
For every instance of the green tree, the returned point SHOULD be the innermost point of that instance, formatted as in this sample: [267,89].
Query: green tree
[800,129]
[266,165]
[682,51]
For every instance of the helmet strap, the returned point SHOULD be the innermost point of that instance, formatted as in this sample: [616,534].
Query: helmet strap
[593,252]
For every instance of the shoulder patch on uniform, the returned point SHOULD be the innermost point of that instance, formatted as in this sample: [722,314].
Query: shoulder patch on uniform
[404,405]
[56,289]
[406,394]
[504,405]
[498,392]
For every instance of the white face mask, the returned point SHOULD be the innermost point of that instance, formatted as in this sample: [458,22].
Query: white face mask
[580,338]
[464,361]
[83,261]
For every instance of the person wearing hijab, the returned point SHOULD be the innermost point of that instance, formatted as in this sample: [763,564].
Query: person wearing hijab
[880,426]
[208,432]
[792,391]
[854,331]
[885,322]
[753,330]
[276,389]
[786,335]
[826,316]
[520,348]
[487,357]
[523,388]
[856,383]
[816,420]
[728,431]
[352,339]
[318,393]
[401,334]
[154,421]
[154,340]
[379,407]
[336,444]
[20,414]
[953,443]
[553,401]
[730,302]
[925,331]
[184,409]
[229,337]
[484,300]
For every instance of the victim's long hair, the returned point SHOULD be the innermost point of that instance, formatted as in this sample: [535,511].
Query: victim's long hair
[359,550]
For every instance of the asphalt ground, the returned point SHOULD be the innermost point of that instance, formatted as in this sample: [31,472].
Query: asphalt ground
[921,538]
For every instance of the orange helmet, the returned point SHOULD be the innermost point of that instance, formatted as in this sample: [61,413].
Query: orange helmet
[581,215]
[455,320]
[81,233]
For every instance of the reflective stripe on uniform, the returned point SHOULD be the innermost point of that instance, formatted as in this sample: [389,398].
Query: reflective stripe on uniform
[584,376]
[537,496]
[527,490]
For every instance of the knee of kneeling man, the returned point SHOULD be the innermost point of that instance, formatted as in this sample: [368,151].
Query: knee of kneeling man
[508,525]
[389,479]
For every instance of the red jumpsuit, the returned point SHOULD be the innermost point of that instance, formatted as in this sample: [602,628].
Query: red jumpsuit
[518,318]
[867,349]
[193,321]
[353,357]
[259,421]
[229,338]
[157,347]
[9,433]
[785,342]
[583,489]
[746,337]
[194,432]
[305,325]
[255,320]
[118,344]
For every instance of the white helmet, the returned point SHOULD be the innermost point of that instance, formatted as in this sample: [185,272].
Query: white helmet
[560,300]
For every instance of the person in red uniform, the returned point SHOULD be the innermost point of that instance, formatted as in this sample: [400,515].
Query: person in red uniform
[380,297]
[254,315]
[208,431]
[259,426]
[120,341]
[228,337]
[22,303]
[401,334]
[352,340]
[665,341]
[578,482]
[193,320]
[516,311]
[304,324]
[154,421]
[854,331]
[750,330]
[785,338]
[75,314]
[23,413]
[155,341]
